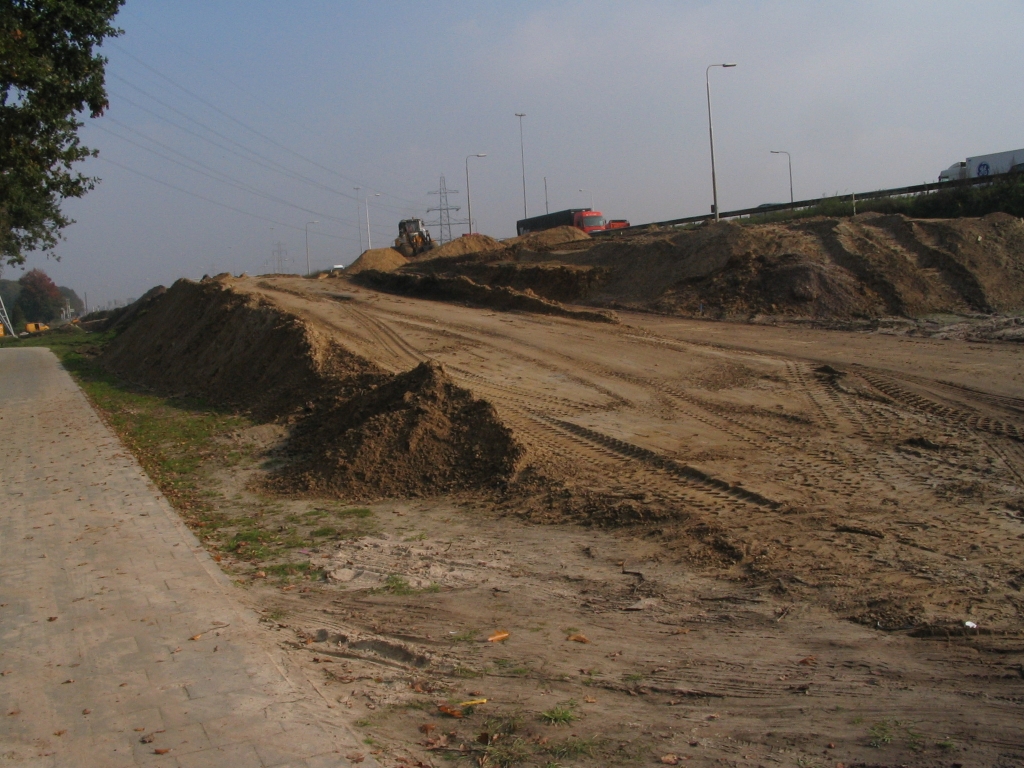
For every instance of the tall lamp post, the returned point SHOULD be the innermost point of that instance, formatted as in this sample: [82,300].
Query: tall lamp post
[790,158]
[307,243]
[469,199]
[711,133]
[522,157]
[369,241]
[359,223]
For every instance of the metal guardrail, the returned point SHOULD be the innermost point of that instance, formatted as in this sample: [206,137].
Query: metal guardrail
[855,197]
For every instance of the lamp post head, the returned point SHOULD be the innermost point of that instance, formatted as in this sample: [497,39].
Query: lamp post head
[483,155]
[520,114]
[729,65]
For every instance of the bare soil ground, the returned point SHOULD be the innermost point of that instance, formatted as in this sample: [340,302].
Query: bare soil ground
[707,542]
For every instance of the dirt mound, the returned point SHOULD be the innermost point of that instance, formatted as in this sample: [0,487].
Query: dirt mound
[228,347]
[464,245]
[415,434]
[868,266]
[380,259]
[357,432]
[547,238]
[463,289]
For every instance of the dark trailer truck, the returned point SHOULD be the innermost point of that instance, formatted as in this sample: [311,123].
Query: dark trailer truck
[582,218]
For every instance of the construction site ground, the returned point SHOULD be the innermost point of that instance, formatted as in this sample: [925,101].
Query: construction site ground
[726,544]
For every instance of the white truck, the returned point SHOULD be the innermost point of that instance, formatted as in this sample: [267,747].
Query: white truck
[985,165]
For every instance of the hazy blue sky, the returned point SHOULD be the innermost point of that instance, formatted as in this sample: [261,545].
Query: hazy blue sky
[295,103]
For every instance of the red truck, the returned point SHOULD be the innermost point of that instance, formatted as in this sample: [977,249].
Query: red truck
[588,220]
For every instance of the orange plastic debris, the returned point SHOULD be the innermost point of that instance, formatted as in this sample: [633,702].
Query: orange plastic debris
[498,636]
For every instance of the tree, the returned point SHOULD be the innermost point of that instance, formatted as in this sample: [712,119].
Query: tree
[40,299]
[49,75]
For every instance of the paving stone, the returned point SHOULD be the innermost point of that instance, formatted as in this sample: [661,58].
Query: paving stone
[128,585]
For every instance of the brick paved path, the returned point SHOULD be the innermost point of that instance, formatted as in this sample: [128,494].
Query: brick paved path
[101,588]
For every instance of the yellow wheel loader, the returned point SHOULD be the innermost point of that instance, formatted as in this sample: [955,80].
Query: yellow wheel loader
[413,238]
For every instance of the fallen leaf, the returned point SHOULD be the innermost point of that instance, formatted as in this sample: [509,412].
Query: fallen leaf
[808,661]
[177,650]
[670,759]
[450,711]
[355,757]
[714,716]
[60,732]
[67,681]
[86,711]
[427,728]
[196,637]
[139,729]
[161,751]
[6,672]
[498,636]
[578,638]
[147,739]
[472,702]
[590,699]
[52,618]
[14,712]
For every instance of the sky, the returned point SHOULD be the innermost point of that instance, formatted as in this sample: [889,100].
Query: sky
[233,124]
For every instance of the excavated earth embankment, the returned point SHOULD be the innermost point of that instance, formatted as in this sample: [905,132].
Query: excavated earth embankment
[864,267]
[357,431]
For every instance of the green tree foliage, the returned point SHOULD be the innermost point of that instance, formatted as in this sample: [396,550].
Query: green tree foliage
[49,75]
[40,299]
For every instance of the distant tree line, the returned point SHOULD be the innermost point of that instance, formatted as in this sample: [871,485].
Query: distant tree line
[35,298]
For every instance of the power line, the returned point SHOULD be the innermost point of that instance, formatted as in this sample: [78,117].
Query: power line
[210,173]
[252,130]
[268,163]
[214,202]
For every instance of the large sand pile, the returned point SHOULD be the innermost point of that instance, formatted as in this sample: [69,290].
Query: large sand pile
[358,432]
[547,238]
[868,266]
[415,434]
[380,259]
[464,290]
[462,246]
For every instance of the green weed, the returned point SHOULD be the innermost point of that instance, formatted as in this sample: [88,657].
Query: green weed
[881,734]
[560,714]
[360,512]
[574,747]
[507,753]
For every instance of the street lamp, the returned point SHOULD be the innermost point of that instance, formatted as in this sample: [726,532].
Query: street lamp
[790,158]
[369,240]
[591,197]
[469,200]
[307,244]
[359,224]
[522,157]
[711,133]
